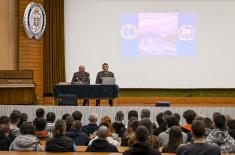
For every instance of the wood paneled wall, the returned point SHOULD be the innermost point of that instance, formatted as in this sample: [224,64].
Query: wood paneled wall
[31,52]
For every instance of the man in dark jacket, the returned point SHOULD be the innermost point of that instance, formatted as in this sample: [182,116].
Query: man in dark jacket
[77,135]
[101,144]
[141,146]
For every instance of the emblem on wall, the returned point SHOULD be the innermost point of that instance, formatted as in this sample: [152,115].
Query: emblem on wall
[34,20]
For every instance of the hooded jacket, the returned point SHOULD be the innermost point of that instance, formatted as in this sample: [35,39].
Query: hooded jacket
[101,145]
[25,143]
[222,139]
[78,137]
[141,148]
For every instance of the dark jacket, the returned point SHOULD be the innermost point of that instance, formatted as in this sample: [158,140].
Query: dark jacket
[78,137]
[4,143]
[60,144]
[90,128]
[101,145]
[141,149]
[232,133]
[117,126]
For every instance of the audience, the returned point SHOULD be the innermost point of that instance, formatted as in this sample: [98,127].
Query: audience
[207,122]
[145,113]
[175,139]
[23,118]
[60,142]
[199,147]
[161,124]
[77,115]
[65,116]
[101,144]
[141,144]
[14,121]
[40,125]
[26,141]
[231,127]
[39,114]
[79,137]
[111,129]
[50,123]
[220,136]
[189,116]
[91,127]
[69,122]
[130,132]
[118,124]
[4,133]
[132,113]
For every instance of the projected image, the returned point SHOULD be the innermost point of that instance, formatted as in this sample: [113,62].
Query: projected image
[150,34]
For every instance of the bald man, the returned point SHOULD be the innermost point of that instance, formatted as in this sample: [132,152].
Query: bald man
[81,78]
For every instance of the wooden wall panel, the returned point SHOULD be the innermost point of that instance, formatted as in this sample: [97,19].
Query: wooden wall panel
[31,52]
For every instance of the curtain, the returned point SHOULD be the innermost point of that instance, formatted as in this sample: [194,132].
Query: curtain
[54,51]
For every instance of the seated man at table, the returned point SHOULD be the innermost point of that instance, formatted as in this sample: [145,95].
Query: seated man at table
[99,79]
[81,78]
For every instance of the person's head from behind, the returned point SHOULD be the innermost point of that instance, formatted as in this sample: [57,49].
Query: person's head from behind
[134,125]
[207,123]
[4,130]
[81,68]
[189,116]
[175,136]
[145,113]
[160,118]
[105,67]
[148,124]
[4,120]
[59,128]
[77,125]
[171,121]
[92,118]
[50,117]
[219,121]
[106,119]
[177,116]
[119,116]
[104,124]
[142,134]
[198,129]
[102,132]
[231,124]
[27,128]
[65,116]
[15,118]
[23,118]
[40,112]
[132,113]
[77,115]
[69,122]
[41,124]
[167,113]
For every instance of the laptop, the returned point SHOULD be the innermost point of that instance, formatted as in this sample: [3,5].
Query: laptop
[109,81]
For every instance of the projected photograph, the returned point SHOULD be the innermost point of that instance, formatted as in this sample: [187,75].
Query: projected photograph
[158,34]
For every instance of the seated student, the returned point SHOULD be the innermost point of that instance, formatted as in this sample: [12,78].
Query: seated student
[130,132]
[69,122]
[175,139]
[199,147]
[161,124]
[220,136]
[100,144]
[60,142]
[26,141]
[111,130]
[40,112]
[208,125]
[23,118]
[231,127]
[65,116]
[189,116]
[92,126]
[4,132]
[50,123]
[79,137]
[164,136]
[118,125]
[14,121]
[141,145]
[108,138]
[131,113]
[41,131]
[77,115]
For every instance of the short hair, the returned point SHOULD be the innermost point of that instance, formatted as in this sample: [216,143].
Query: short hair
[145,113]
[40,124]
[65,116]
[219,121]
[119,116]
[147,123]
[92,117]
[77,125]
[23,118]
[40,112]
[171,121]
[231,124]
[27,128]
[176,115]
[102,131]
[189,116]
[167,113]
[59,127]
[132,113]
[69,122]
[50,117]
[4,120]
[207,122]
[141,134]
[77,115]
[15,117]
[105,64]
[198,129]
[160,118]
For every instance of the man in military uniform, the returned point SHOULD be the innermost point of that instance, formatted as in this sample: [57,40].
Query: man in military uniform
[99,77]
[81,78]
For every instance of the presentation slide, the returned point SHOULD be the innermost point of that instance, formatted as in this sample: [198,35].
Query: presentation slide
[153,43]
